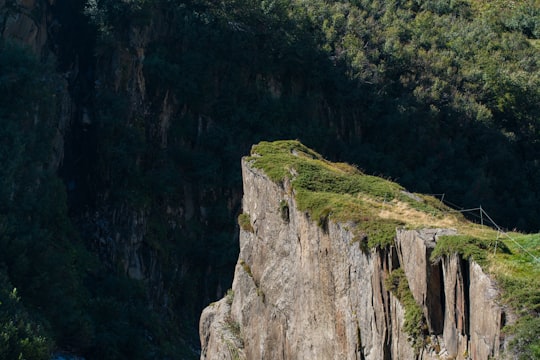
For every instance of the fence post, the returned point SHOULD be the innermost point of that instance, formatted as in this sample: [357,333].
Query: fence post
[481,216]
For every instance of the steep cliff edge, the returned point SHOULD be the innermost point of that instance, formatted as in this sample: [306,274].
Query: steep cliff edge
[151,103]
[312,286]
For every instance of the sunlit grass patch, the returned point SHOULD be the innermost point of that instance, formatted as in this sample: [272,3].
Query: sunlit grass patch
[373,207]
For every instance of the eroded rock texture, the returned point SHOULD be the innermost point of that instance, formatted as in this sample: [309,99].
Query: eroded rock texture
[26,21]
[304,292]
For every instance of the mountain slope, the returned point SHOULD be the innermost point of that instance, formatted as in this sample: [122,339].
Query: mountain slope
[124,122]
[332,278]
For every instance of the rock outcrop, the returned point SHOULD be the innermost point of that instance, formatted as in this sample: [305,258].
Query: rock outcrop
[26,21]
[302,291]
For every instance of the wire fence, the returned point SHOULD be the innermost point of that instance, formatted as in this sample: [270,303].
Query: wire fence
[485,219]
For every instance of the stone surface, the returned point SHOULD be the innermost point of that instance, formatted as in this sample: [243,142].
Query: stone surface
[25,21]
[301,292]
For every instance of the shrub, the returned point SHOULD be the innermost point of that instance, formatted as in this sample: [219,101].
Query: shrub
[245,222]
[415,324]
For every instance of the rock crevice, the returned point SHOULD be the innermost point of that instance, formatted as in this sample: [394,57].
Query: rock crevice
[325,298]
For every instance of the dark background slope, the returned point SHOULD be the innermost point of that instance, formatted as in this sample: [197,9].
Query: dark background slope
[164,97]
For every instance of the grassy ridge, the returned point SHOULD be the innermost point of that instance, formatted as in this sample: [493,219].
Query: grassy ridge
[375,207]
[335,191]
[518,274]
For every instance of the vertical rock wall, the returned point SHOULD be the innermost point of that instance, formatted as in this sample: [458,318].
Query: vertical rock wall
[29,23]
[26,21]
[304,292]
[135,231]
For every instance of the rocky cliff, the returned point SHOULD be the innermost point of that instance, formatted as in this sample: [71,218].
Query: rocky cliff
[306,291]
[27,21]
[151,105]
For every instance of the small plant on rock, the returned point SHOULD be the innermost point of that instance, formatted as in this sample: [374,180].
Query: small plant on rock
[244,222]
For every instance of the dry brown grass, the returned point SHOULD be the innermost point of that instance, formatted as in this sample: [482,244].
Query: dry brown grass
[414,218]
[403,212]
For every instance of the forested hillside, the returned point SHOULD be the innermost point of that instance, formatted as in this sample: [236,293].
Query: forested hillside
[440,95]
[122,137]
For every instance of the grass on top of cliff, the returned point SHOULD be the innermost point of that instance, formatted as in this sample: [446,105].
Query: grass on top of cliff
[342,193]
[518,274]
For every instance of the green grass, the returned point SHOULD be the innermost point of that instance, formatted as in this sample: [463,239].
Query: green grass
[415,324]
[282,159]
[275,157]
[373,207]
[332,191]
[518,260]
[244,222]
[469,247]
[518,274]
[510,260]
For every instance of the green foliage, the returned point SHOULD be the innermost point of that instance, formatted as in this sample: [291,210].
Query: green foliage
[318,178]
[245,222]
[415,325]
[39,259]
[522,16]
[524,296]
[330,191]
[275,157]
[467,246]
[64,299]
[519,277]
[381,233]
[291,159]
[111,16]
[443,96]
[510,261]
[527,333]
[21,336]
[375,234]
[431,58]
[385,78]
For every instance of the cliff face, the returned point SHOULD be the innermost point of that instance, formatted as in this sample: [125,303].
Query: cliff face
[143,213]
[305,292]
[29,22]
[26,21]
[156,102]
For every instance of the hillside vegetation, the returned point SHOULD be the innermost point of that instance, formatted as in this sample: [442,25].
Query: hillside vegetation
[442,96]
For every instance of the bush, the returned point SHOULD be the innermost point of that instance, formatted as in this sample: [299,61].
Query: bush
[245,222]
[21,335]
[415,324]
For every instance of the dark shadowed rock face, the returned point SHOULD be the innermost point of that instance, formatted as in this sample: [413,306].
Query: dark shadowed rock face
[301,292]
[26,21]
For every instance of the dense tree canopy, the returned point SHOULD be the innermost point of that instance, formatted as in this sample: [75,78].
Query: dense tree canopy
[441,95]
